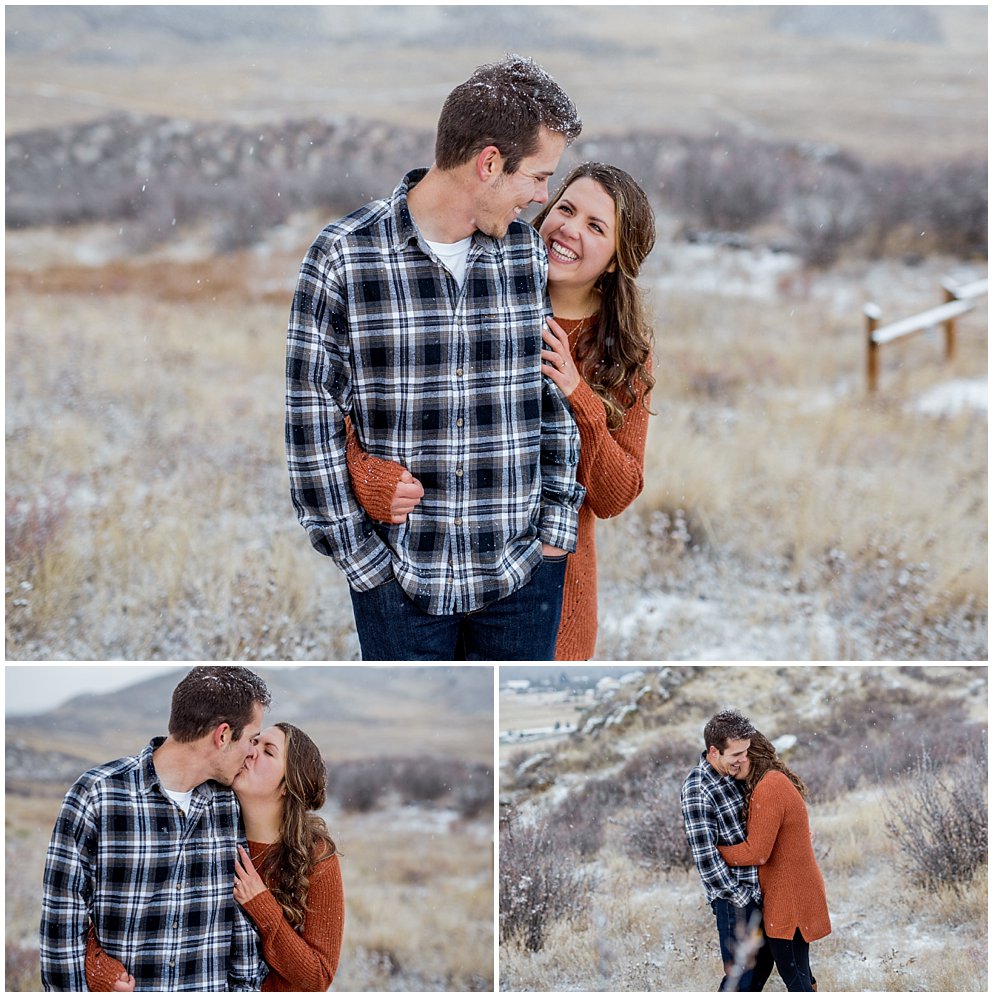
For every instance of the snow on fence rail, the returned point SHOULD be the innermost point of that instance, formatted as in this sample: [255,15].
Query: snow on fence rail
[959,299]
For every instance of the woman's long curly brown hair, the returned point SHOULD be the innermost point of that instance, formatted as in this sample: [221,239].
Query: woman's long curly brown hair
[303,836]
[763,758]
[614,357]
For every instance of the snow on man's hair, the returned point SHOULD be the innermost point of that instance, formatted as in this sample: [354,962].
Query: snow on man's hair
[214,694]
[505,104]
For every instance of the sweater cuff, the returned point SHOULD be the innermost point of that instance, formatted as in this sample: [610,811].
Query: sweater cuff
[587,406]
[264,910]
[374,480]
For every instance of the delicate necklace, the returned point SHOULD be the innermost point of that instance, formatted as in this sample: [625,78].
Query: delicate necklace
[582,324]
[265,851]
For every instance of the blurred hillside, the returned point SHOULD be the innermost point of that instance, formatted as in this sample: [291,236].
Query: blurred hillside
[350,712]
[732,118]
[907,81]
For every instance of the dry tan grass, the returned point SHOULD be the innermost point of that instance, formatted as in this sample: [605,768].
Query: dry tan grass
[145,460]
[148,509]
[647,931]
[419,916]
[767,436]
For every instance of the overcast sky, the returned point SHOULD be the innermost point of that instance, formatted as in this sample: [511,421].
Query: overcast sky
[36,688]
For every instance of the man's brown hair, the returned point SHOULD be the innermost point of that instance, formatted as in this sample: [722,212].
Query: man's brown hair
[730,725]
[505,104]
[211,695]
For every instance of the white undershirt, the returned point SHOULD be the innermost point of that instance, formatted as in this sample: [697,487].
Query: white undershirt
[182,800]
[454,256]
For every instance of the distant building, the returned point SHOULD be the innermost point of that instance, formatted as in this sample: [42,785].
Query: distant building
[517,685]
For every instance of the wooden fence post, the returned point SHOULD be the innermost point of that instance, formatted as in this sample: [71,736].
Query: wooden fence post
[950,295]
[872,317]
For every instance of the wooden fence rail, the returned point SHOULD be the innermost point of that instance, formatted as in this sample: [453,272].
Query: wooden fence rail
[959,299]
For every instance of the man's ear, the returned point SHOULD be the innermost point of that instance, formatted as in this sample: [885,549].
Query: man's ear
[489,163]
[222,735]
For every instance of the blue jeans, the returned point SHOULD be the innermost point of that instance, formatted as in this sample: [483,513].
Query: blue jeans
[522,626]
[734,924]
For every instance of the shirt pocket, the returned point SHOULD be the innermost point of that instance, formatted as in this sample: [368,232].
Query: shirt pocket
[511,336]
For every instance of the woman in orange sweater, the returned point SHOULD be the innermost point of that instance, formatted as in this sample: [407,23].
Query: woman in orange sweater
[794,905]
[598,230]
[289,880]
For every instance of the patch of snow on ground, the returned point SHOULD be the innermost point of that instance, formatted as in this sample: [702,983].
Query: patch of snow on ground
[748,273]
[951,398]
[756,625]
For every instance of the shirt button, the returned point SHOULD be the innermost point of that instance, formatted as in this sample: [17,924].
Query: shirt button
[458,521]
[459,473]
[459,372]
[460,423]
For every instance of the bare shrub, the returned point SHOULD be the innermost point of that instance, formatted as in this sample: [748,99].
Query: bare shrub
[539,884]
[426,779]
[672,756]
[940,821]
[826,215]
[729,182]
[579,823]
[361,785]
[250,210]
[655,836]
[474,794]
[957,210]
[898,194]
[875,733]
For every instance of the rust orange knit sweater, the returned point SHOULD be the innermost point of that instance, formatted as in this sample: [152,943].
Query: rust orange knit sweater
[611,467]
[297,962]
[779,844]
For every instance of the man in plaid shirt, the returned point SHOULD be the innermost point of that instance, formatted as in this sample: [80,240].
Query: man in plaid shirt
[420,317]
[712,806]
[144,851]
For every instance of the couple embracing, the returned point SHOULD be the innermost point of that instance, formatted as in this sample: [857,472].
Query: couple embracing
[749,832]
[199,864]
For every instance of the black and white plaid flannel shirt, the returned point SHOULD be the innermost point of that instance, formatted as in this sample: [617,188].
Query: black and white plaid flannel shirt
[157,886]
[443,379]
[712,806]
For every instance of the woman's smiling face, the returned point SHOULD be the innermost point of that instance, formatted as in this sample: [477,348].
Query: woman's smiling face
[580,234]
